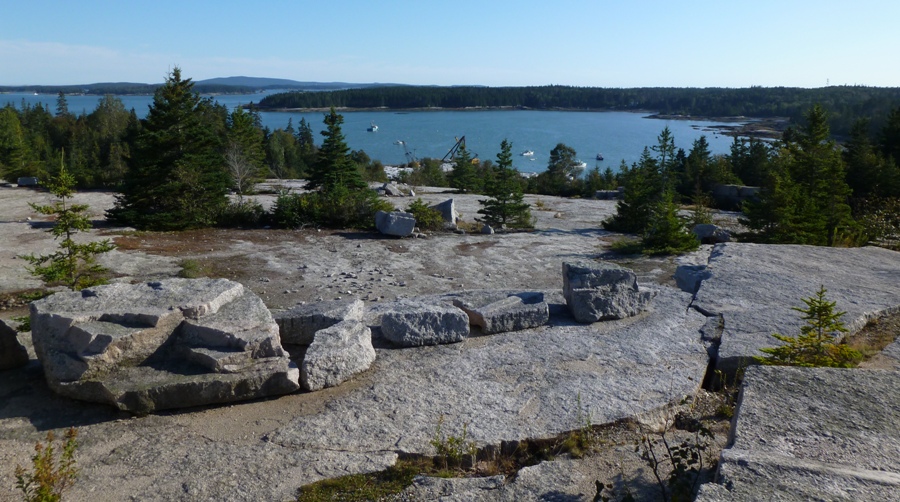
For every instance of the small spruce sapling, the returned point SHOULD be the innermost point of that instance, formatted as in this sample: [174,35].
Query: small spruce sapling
[816,344]
[73,264]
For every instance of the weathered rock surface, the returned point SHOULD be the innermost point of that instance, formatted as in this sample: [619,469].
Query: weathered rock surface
[414,323]
[12,353]
[708,233]
[525,384]
[395,223]
[812,434]
[298,326]
[498,312]
[754,286]
[448,212]
[160,345]
[397,190]
[892,351]
[599,291]
[336,355]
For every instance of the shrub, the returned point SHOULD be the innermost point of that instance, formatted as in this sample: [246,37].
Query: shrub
[335,208]
[815,346]
[700,212]
[50,476]
[192,269]
[361,487]
[677,467]
[880,221]
[244,213]
[453,450]
[427,218]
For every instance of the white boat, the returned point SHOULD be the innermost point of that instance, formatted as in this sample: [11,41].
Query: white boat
[580,166]
[527,153]
[372,128]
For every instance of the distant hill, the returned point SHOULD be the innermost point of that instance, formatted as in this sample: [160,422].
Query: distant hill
[221,85]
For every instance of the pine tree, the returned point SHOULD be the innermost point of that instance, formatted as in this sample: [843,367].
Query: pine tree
[73,265]
[805,199]
[463,177]
[666,156]
[665,232]
[815,346]
[506,205]
[176,178]
[14,151]
[643,186]
[868,173]
[889,139]
[333,167]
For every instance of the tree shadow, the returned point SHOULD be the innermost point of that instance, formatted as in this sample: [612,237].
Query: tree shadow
[584,232]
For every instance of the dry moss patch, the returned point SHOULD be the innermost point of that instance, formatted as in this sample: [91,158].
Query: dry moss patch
[877,334]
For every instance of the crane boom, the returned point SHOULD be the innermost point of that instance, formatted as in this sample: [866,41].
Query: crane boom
[460,143]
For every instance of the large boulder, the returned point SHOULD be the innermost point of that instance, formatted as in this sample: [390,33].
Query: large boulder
[12,353]
[499,312]
[414,323]
[159,345]
[448,212]
[601,291]
[298,326]
[395,223]
[337,354]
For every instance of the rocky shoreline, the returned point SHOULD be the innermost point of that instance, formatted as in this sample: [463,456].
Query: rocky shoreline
[768,128]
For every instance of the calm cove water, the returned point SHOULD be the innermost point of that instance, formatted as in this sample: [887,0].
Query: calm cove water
[617,135]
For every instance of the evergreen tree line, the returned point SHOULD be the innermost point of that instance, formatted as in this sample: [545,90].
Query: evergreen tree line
[845,103]
[100,145]
[174,168]
[812,191]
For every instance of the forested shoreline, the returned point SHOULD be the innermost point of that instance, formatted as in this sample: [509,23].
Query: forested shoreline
[844,103]
[175,167]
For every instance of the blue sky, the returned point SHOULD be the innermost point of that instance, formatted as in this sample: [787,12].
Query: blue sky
[722,43]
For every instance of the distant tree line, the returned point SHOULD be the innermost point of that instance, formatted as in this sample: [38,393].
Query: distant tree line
[844,103]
